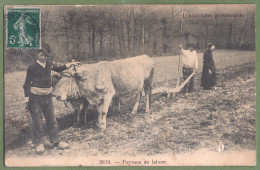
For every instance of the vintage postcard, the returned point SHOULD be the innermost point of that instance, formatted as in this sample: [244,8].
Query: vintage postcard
[129,85]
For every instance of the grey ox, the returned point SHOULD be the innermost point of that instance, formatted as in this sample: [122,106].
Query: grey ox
[101,82]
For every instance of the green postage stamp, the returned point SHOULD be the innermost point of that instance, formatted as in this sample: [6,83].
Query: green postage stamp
[23,28]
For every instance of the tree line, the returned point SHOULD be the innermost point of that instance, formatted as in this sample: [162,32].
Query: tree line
[95,33]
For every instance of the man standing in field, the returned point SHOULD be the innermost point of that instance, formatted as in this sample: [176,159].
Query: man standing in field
[37,90]
[190,63]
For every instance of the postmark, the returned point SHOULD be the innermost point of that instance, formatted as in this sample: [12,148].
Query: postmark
[23,28]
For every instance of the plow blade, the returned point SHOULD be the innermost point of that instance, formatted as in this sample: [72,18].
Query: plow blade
[172,90]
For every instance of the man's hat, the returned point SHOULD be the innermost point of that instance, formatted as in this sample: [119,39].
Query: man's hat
[191,45]
[209,45]
[46,50]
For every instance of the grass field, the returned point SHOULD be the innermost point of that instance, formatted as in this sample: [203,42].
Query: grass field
[184,124]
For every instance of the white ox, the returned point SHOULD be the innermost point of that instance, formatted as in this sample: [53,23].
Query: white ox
[100,82]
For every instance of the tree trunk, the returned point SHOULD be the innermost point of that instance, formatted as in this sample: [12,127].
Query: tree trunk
[67,38]
[235,30]
[245,30]
[143,36]
[101,34]
[89,43]
[93,42]
[229,35]
[128,38]
[216,30]
[207,33]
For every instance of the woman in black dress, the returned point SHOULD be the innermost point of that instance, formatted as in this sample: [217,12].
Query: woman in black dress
[208,79]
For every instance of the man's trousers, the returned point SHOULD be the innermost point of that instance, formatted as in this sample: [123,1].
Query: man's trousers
[186,73]
[39,104]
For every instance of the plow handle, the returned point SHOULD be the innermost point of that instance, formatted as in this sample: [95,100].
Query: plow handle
[186,81]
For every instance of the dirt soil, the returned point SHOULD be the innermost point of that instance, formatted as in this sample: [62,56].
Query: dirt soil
[182,124]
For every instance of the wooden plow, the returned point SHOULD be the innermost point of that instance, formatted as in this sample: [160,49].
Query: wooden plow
[169,91]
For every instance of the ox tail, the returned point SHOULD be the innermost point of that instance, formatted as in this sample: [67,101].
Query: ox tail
[148,85]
